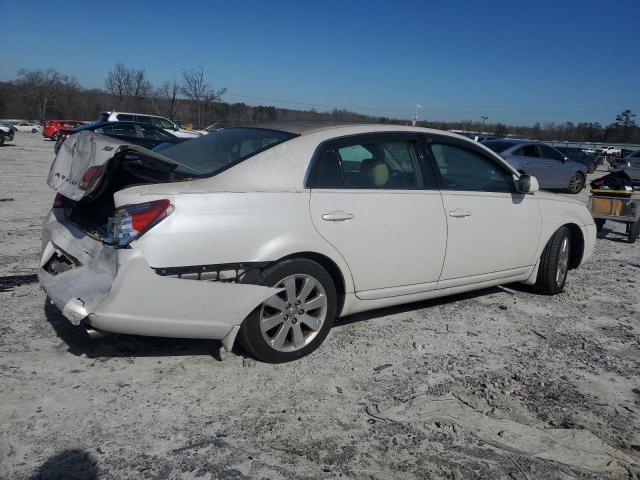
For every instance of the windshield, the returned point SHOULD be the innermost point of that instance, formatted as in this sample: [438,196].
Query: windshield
[498,146]
[217,151]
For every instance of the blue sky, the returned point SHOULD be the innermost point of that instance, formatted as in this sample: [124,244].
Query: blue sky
[515,61]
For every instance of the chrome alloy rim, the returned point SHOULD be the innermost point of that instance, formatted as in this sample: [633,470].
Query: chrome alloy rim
[563,261]
[575,184]
[291,319]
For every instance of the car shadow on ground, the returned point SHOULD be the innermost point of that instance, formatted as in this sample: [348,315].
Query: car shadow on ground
[114,345]
[409,307]
[612,235]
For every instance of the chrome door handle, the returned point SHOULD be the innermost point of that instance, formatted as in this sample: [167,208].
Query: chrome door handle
[337,216]
[459,213]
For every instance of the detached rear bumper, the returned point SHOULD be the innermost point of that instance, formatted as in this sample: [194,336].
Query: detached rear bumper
[117,291]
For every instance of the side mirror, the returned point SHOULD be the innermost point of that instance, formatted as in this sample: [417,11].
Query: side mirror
[527,184]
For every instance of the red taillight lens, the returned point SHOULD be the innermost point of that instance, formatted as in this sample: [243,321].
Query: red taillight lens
[59,201]
[90,176]
[131,221]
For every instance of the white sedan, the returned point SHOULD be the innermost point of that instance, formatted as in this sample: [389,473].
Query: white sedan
[27,127]
[267,235]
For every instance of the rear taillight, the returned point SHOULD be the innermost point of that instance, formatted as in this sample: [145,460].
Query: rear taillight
[132,221]
[89,176]
[59,201]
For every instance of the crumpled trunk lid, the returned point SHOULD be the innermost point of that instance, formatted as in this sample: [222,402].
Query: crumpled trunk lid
[85,160]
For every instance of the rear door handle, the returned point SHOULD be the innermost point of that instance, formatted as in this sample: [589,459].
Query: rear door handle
[459,213]
[337,216]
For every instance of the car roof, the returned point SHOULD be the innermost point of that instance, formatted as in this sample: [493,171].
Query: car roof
[99,124]
[335,129]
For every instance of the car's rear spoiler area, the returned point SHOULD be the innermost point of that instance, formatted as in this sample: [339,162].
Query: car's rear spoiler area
[82,162]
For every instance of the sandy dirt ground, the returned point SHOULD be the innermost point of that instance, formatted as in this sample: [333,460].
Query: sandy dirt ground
[500,383]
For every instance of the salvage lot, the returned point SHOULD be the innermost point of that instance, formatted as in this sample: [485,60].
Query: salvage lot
[451,388]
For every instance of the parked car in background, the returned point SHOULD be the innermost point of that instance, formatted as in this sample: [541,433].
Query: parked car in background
[578,155]
[608,150]
[27,127]
[631,166]
[270,234]
[6,133]
[145,135]
[55,128]
[160,122]
[552,169]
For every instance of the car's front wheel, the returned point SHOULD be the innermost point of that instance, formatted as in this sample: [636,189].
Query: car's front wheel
[576,183]
[295,321]
[554,263]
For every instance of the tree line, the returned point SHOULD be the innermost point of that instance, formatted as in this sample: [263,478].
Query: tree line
[191,97]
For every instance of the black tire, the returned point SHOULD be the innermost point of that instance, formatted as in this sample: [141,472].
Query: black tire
[33,130]
[549,281]
[1,139]
[576,183]
[56,136]
[250,334]
[633,232]
[599,223]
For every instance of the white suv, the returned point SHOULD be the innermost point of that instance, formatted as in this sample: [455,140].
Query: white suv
[161,122]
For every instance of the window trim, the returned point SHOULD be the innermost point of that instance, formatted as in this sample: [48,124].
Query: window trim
[446,140]
[428,182]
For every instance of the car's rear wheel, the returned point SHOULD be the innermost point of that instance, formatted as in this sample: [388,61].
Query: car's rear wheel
[576,183]
[294,322]
[33,130]
[56,136]
[554,263]
[1,139]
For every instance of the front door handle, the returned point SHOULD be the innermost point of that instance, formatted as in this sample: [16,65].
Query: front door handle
[337,216]
[458,212]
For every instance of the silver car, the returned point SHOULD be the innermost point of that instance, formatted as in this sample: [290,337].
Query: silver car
[552,169]
[631,166]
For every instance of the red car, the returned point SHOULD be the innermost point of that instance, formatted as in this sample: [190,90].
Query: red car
[55,128]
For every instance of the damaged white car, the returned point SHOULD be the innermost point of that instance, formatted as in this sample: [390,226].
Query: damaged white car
[268,235]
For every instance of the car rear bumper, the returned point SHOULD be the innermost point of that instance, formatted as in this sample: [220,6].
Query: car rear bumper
[117,291]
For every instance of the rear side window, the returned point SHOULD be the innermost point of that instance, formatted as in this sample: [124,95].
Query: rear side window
[123,130]
[123,117]
[369,165]
[467,170]
[552,153]
[143,119]
[528,151]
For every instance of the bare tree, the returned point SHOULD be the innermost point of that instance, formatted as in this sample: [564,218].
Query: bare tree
[196,88]
[118,83]
[141,88]
[40,88]
[69,89]
[169,92]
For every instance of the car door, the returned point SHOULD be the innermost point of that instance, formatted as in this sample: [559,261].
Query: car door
[493,230]
[533,164]
[559,170]
[372,199]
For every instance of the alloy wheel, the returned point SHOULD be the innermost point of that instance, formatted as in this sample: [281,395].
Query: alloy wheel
[575,184]
[563,261]
[291,319]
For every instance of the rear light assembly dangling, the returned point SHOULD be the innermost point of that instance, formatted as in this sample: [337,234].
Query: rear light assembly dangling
[130,222]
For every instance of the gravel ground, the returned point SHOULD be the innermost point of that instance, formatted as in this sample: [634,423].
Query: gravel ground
[360,407]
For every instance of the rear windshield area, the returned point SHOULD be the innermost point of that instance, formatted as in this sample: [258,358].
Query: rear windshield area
[217,151]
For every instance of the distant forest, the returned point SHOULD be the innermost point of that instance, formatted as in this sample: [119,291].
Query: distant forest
[190,98]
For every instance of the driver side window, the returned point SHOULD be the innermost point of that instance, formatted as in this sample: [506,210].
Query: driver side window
[467,170]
